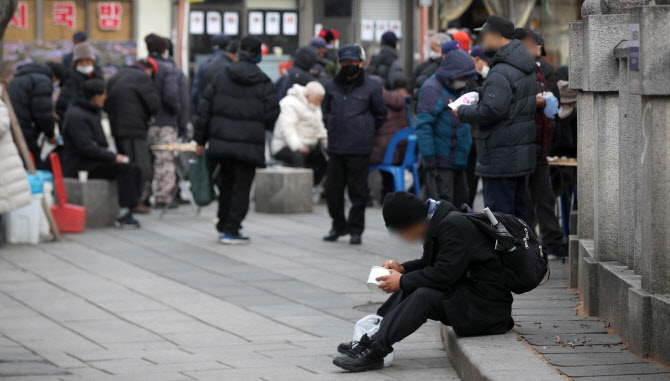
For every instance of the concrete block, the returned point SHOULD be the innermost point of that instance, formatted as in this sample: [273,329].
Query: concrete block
[573,221]
[573,261]
[614,282]
[660,312]
[591,7]
[606,187]
[602,33]
[99,197]
[284,190]
[653,78]
[586,134]
[618,6]
[588,278]
[576,36]
[655,219]
[640,322]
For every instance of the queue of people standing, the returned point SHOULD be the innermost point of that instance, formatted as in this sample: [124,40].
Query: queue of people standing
[334,111]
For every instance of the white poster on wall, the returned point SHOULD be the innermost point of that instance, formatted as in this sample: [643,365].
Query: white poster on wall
[317,29]
[231,23]
[196,22]
[367,30]
[290,24]
[213,22]
[255,22]
[272,23]
[396,27]
[381,26]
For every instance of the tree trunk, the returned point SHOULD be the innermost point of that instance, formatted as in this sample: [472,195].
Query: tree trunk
[7,8]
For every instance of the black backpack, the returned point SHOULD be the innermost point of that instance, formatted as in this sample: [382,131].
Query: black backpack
[523,255]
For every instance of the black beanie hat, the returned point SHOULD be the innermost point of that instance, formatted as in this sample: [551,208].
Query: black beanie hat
[403,209]
[93,87]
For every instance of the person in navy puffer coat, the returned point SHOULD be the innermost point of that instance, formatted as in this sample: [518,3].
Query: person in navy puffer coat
[444,141]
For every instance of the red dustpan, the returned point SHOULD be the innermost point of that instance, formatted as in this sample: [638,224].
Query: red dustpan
[69,218]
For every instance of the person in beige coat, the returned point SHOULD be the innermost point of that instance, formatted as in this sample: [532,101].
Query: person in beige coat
[299,132]
[14,187]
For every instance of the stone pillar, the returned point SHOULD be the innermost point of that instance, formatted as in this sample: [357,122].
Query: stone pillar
[585,170]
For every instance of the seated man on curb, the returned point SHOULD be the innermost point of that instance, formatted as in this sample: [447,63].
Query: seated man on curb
[457,281]
[85,149]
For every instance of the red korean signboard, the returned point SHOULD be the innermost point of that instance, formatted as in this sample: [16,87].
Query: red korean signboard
[109,15]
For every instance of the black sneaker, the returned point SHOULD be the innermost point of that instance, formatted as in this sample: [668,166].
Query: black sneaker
[355,240]
[333,235]
[127,221]
[234,239]
[362,357]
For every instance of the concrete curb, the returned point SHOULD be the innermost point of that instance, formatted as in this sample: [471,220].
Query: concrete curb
[495,358]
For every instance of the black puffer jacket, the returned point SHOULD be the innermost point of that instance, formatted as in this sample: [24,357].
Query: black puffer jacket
[353,111]
[301,71]
[505,115]
[30,92]
[71,90]
[386,66]
[166,82]
[85,145]
[131,101]
[235,111]
[213,67]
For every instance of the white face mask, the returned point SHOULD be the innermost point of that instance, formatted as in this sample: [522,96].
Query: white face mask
[458,84]
[565,111]
[88,69]
[165,54]
[433,54]
[484,72]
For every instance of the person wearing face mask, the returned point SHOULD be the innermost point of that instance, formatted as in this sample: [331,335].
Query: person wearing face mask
[428,67]
[385,64]
[299,132]
[83,69]
[444,141]
[505,119]
[481,60]
[355,109]
[332,37]
[456,281]
[426,73]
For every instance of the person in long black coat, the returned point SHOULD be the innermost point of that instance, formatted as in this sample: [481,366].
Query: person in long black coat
[234,114]
[457,281]
[86,149]
[30,92]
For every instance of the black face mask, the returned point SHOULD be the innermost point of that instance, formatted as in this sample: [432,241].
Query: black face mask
[350,70]
[490,52]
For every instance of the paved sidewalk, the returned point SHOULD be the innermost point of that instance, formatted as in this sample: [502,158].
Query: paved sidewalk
[169,303]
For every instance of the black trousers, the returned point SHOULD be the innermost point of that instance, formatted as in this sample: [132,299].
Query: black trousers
[350,171]
[506,195]
[447,184]
[543,205]
[403,314]
[128,179]
[314,161]
[234,183]
[137,150]
[473,180]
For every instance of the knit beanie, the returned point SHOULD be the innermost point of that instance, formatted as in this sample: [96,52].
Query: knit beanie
[81,51]
[155,43]
[402,210]
[250,49]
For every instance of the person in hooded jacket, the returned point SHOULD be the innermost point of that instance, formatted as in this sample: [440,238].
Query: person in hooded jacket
[385,64]
[321,47]
[299,133]
[444,141]
[302,72]
[429,71]
[164,129]
[456,282]
[427,68]
[505,119]
[332,37]
[83,69]
[131,102]
[30,92]
[234,113]
[355,109]
[85,149]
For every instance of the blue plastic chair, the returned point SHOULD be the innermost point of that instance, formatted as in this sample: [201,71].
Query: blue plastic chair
[410,161]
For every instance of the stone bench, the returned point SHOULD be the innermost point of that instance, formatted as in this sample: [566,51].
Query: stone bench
[284,190]
[99,197]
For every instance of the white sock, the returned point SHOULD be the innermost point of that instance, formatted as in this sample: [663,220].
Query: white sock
[123,212]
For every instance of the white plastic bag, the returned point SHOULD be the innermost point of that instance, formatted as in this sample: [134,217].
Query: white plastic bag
[370,325]
[471,98]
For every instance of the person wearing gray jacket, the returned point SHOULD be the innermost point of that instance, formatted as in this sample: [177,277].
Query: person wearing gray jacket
[166,121]
[505,119]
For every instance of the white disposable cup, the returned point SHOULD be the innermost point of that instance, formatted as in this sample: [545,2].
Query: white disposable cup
[83,176]
[376,272]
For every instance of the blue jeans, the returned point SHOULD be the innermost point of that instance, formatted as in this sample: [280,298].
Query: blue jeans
[506,195]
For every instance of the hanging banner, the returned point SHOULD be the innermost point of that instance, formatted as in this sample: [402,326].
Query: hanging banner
[255,22]
[213,22]
[381,26]
[231,23]
[367,30]
[272,23]
[196,22]
[64,13]
[395,26]
[290,24]
[109,15]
